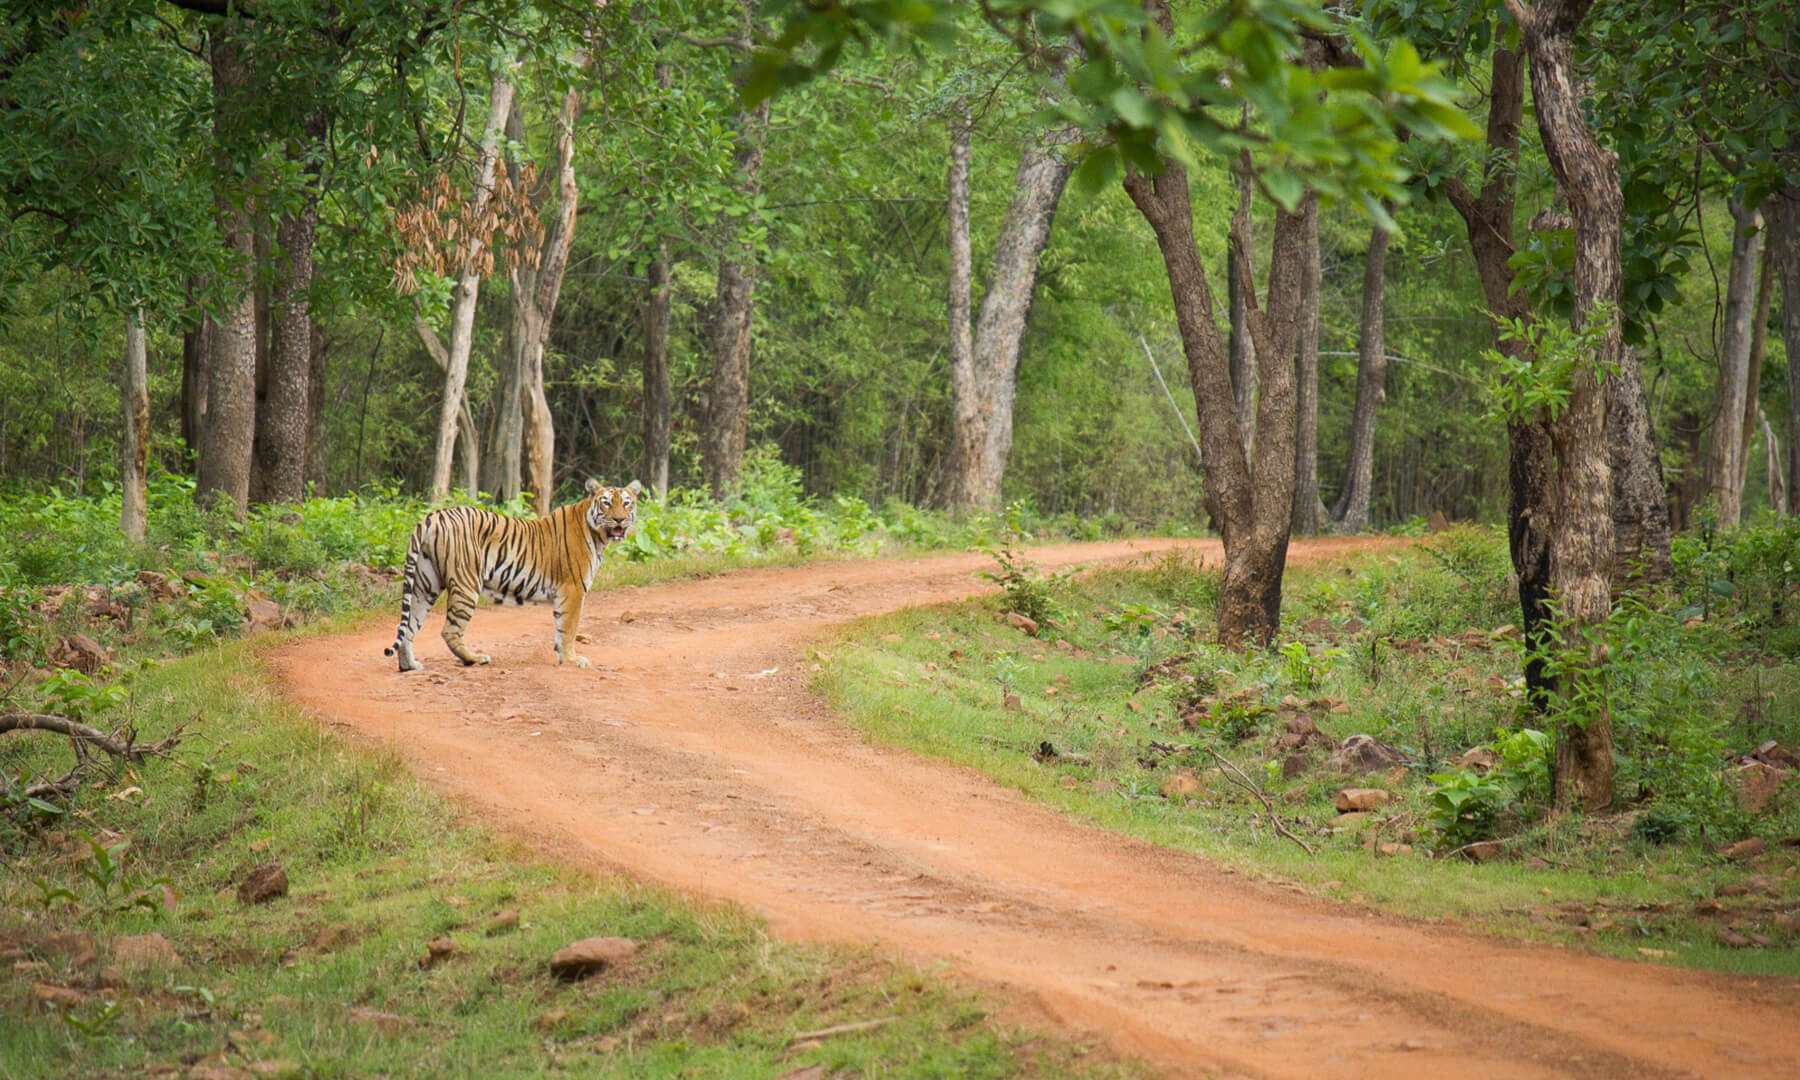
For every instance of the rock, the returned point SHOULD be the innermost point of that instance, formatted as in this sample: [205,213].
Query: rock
[1355,819]
[1744,849]
[1021,622]
[218,1072]
[265,883]
[1180,786]
[1350,799]
[591,955]
[1394,849]
[1012,702]
[1732,939]
[263,614]
[437,951]
[145,950]
[503,922]
[277,1069]
[57,995]
[80,652]
[385,1022]
[1367,754]
[1294,765]
[330,937]
[1479,758]
[1758,784]
[1303,726]
[1537,862]
[1484,850]
[1436,521]
[76,949]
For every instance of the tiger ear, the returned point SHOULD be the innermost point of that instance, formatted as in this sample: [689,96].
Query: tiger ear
[593,485]
[635,488]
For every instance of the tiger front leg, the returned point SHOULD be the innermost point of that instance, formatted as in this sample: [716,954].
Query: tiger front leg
[457,611]
[567,609]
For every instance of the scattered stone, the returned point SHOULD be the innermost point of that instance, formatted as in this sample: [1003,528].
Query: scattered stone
[277,1069]
[551,1019]
[385,1022]
[1744,849]
[1294,765]
[1732,939]
[77,949]
[1350,799]
[1758,784]
[437,951]
[1537,862]
[218,1072]
[1367,754]
[590,956]
[145,950]
[1021,622]
[1392,849]
[1484,850]
[1708,907]
[1355,819]
[263,615]
[503,922]
[1012,703]
[1480,758]
[57,995]
[80,652]
[265,883]
[1180,786]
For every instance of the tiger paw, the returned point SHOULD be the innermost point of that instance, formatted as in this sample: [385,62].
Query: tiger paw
[579,661]
[478,658]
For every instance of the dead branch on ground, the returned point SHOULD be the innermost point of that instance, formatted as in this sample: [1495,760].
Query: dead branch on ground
[1239,779]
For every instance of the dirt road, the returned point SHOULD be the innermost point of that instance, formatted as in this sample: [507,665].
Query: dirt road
[695,756]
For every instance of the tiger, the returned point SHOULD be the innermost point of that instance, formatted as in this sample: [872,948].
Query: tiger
[469,552]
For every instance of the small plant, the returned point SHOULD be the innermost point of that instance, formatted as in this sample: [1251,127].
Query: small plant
[120,887]
[1007,670]
[1029,591]
[1133,620]
[1466,804]
[1304,670]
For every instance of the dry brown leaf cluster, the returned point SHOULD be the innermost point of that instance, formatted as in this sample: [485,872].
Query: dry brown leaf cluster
[442,232]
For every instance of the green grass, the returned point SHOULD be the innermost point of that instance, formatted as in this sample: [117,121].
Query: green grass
[1107,690]
[379,867]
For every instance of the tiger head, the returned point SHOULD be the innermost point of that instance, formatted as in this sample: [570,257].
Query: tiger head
[612,511]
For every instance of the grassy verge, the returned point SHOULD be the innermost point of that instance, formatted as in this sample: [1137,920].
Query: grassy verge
[333,979]
[1114,714]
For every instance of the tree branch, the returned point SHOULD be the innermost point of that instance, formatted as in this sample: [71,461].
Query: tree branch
[1237,777]
[127,747]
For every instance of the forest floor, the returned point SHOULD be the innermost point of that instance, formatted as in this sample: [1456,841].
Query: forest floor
[696,755]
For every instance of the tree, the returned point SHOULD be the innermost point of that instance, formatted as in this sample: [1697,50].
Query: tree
[135,447]
[1352,509]
[1725,460]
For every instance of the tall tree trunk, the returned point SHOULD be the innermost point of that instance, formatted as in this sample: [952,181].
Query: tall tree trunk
[1308,513]
[1640,510]
[1778,489]
[1243,350]
[1488,217]
[315,410]
[194,352]
[728,392]
[1352,509]
[1724,467]
[658,395]
[1581,546]
[1759,340]
[462,312]
[1783,211]
[134,459]
[539,289]
[966,421]
[1250,502]
[282,421]
[985,383]
[228,433]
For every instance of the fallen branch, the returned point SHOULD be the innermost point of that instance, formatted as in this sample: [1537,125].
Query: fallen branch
[1237,777]
[842,1029]
[126,747]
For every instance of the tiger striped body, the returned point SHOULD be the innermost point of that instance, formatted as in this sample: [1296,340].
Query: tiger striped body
[467,553]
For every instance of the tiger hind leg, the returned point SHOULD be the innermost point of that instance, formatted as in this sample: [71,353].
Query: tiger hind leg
[419,592]
[457,611]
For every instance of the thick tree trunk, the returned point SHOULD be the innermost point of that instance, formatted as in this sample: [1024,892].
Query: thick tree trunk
[658,395]
[1251,508]
[1352,510]
[134,459]
[728,393]
[984,388]
[1724,464]
[1759,340]
[1783,211]
[501,460]
[227,435]
[462,312]
[542,288]
[1640,510]
[281,422]
[1243,350]
[1308,513]
[966,419]
[315,410]
[1581,547]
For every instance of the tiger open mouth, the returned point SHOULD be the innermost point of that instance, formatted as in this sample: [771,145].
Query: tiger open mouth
[615,532]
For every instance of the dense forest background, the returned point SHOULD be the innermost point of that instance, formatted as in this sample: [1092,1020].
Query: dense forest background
[121,142]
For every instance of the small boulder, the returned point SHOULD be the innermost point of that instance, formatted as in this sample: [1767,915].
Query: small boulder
[1180,786]
[1022,622]
[80,652]
[1484,850]
[386,1022]
[1351,799]
[551,1019]
[1744,850]
[145,950]
[589,956]
[1391,849]
[1758,784]
[1355,819]
[263,614]
[265,883]
[77,949]
[1367,754]
[437,951]
[1012,703]
[1479,758]
[1294,766]
[503,922]
[57,996]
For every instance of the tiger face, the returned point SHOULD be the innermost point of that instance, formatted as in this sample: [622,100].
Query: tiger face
[613,510]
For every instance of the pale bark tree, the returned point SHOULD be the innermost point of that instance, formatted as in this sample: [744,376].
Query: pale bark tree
[1759,339]
[659,398]
[1352,509]
[1778,491]
[1250,500]
[468,288]
[984,363]
[536,291]
[1308,513]
[1724,459]
[1641,527]
[228,427]
[135,449]
[315,410]
[1581,535]
[468,439]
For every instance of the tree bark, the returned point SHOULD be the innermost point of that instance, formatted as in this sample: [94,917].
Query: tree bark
[315,410]
[1308,513]
[728,394]
[1724,464]
[1759,339]
[228,431]
[1778,493]
[658,394]
[1581,546]
[134,462]
[462,312]
[1352,510]
[194,352]
[542,288]
[966,421]
[1243,351]
[1640,511]
[1783,212]
[1251,502]
[282,420]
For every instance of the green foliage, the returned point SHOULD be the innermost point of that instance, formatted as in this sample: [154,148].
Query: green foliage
[1030,591]
[1551,355]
